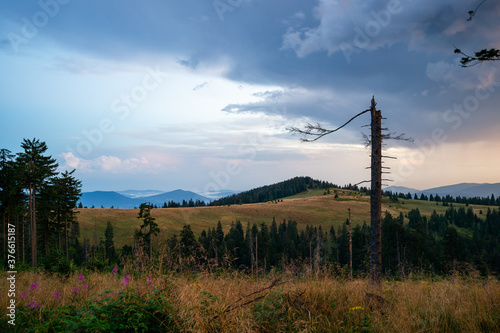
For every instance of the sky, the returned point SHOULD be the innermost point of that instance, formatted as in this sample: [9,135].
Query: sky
[200,94]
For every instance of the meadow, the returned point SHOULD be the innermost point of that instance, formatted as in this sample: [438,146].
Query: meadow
[123,300]
[307,208]
[135,296]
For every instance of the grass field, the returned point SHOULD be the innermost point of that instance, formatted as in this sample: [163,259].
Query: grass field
[232,302]
[311,207]
[293,300]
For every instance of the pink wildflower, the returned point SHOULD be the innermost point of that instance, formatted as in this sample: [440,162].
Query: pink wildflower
[34,305]
[124,282]
[114,271]
[23,295]
[33,286]
[81,277]
[57,295]
[75,291]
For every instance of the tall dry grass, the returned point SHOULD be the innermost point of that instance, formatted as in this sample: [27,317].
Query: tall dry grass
[233,302]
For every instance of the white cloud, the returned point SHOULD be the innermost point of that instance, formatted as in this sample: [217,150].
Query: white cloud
[111,164]
[356,24]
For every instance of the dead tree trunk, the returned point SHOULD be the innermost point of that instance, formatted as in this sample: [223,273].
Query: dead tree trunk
[317,131]
[350,246]
[376,199]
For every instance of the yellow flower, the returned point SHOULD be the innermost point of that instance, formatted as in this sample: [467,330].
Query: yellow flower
[356,308]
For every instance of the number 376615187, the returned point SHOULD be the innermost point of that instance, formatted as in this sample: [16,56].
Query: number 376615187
[11,246]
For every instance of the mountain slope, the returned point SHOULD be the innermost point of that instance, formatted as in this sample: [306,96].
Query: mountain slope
[106,199]
[176,196]
[275,191]
[109,199]
[463,189]
[468,190]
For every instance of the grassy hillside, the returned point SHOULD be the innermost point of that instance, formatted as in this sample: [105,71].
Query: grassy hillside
[310,207]
[154,302]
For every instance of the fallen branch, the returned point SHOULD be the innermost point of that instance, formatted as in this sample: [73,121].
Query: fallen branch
[233,306]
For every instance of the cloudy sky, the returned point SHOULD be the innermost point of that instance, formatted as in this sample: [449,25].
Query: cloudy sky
[198,94]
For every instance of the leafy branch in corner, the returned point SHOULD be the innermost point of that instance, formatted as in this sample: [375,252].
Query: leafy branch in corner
[480,56]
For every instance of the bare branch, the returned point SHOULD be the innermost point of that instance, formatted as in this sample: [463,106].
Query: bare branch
[364,181]
[366,140]
[398,137]
[473,12]
[318,131]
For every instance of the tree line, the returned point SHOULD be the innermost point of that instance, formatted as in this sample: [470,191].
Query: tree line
[266,193]
[445,200]
[438,244]
[273,192]
[37,202]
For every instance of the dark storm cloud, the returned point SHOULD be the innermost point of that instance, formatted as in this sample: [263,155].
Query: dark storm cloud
[330,56]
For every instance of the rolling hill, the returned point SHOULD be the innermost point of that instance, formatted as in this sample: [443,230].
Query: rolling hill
[311,207]
[302,199]
[273,192]
[132,199]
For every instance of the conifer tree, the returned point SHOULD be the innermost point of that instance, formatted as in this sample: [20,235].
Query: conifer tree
[149,227]
[36,170]
[68,192]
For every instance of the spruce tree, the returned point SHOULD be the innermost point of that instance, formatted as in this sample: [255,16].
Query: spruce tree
[67,193]
[149,227]
[36,170]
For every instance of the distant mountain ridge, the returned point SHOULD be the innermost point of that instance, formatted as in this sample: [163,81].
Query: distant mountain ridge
[468,190]
[132,199]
